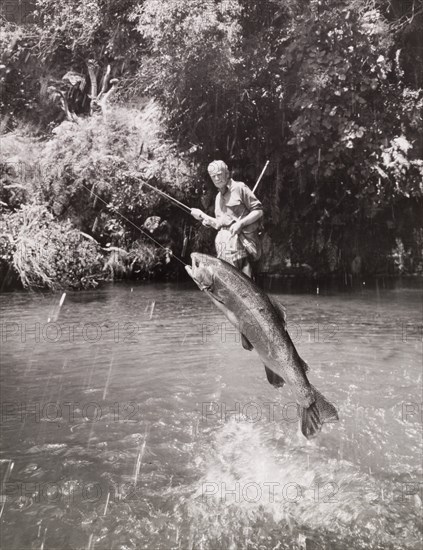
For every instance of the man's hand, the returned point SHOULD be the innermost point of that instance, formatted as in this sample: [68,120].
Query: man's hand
[197,214]
[236,228]
[207,222]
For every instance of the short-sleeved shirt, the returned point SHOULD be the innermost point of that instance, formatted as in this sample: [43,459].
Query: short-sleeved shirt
[236,203]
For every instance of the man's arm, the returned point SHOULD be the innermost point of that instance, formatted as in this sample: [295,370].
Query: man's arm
[254,208]
[207,220]
[252,217]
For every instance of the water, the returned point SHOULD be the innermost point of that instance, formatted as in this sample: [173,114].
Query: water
[136,420]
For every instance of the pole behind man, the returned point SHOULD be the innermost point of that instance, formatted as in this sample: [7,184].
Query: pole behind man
[237,213]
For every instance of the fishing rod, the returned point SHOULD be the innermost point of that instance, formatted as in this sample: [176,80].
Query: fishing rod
[260,176]
[256,185]
[182,205]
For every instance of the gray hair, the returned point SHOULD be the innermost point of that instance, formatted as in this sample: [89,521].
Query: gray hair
[217,166]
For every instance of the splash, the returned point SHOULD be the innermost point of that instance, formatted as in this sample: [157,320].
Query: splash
[282,492]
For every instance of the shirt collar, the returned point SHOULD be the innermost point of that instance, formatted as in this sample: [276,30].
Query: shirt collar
[228,187]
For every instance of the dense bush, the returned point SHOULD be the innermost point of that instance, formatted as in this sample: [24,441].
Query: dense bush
[22,79]
[75,31]
[94,170]
[47,253]
[89,177]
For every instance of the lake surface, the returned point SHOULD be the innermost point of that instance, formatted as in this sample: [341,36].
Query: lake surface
[134,419]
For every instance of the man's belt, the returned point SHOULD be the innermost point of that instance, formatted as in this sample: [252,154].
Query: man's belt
[226,226]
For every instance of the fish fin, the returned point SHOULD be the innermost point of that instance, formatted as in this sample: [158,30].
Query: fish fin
[274,378]
[319,412]
[280,309]
[246,344]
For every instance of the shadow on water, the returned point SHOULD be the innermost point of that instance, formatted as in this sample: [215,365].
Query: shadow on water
[137,420]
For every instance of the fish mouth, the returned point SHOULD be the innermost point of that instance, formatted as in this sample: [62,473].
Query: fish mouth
[200,272]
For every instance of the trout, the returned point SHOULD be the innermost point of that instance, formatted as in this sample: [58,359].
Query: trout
[262,324]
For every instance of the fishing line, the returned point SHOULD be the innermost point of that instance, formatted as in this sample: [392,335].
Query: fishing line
[134,225]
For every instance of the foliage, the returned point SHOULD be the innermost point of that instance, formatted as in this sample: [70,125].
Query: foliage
[22,79]
[192,49]
[147,259]
[83,29]
[143,260]
[20,176]
[47,253]
[96,167]
[62,39]
[406,22]
[91,174]
[342,120]
[350,125]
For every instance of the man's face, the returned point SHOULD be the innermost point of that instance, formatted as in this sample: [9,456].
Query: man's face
[220,178]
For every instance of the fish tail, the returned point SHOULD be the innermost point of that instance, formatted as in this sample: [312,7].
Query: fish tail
[314,416]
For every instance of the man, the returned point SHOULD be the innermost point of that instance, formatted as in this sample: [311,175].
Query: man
[237,212]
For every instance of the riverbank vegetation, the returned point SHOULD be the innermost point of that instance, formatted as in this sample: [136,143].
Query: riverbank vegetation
[99,97]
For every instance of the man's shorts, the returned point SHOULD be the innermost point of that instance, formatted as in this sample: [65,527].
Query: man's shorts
[229,247]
